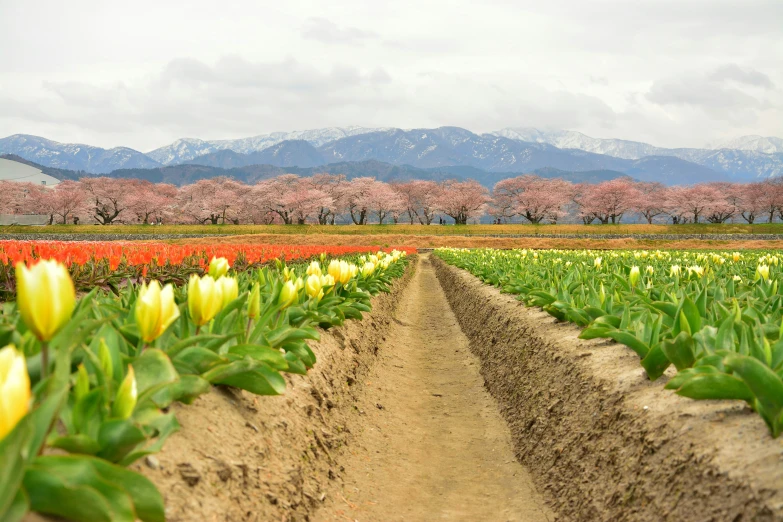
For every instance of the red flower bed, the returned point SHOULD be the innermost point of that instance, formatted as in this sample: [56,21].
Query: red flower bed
[136,254]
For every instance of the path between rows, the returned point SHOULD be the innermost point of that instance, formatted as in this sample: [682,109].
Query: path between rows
[431,444]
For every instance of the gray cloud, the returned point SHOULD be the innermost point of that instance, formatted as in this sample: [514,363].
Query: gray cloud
[326,31]
[734,72]
[674,72]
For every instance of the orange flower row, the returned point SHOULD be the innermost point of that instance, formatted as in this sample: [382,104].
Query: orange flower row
[138,254]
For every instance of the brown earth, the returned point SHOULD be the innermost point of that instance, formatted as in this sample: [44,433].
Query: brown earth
[241,457]
[390,240]
[602,441]
[428,440]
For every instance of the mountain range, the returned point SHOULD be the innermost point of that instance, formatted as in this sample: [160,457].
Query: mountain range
[510,150]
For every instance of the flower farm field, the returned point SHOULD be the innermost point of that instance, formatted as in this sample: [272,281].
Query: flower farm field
[247,378]
[403,229]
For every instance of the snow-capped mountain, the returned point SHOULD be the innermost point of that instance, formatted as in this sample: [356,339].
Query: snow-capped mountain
[188,149]
[743,162]
[74,156]
[766,145]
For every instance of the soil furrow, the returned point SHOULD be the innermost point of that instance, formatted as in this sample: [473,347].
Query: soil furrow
[429,442]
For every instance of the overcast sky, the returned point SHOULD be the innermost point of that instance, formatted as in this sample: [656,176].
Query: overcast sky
[144,73]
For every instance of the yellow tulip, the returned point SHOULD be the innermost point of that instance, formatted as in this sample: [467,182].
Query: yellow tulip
[313,286]
[254,302]
[204,299]
[229,288]
[762,272]
[127,394]
[327,280]
[368,269]
[314,269]
[334,269]
[288,294]
[352,270]
[218,267]
[45,296]
[14,389]
[155,310]
[633,276]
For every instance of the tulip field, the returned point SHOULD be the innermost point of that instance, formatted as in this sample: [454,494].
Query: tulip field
[715,317]
[99,339]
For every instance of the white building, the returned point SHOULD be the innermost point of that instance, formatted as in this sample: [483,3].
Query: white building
[14,171]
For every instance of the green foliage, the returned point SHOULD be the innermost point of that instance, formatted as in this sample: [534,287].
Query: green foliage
[716,317]
[85,409]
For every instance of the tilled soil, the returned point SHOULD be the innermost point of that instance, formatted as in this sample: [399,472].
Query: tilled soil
[435,241]
[241,457]
[602,441]
[429,442]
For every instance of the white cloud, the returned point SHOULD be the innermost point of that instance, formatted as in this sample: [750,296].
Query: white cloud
[677,73]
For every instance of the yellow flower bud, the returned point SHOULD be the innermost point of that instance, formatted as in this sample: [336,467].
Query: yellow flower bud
[254,302]
[762,272]
[633,276]
[105,357]
[204,299]
[155,310]
[327,280]
[14,389]
[313,286]
[229,288]
[596,262]
[82,386]
[125,401]
[299,283]
[288,294]
[218,267]
[45,296]
[334,269]
[368,268]
[314,269]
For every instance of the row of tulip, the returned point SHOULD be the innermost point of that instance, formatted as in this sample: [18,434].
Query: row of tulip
[110,264]
[85,384]
[716,317]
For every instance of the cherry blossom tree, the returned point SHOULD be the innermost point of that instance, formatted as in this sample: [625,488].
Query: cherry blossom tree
[333,185]
[532,197]
[383,201]
[462,200]
[691,202]
[609,200]
[212,201]
[418,199]
[651,202]
[151,203]
[67,200]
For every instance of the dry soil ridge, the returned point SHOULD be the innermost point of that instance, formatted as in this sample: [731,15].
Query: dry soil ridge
[428,440]
[602,441]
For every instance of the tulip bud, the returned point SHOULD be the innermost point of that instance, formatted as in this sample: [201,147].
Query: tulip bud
[633,276]
[82,386]
[327,280]
[334,269]
[204,299]
[762,272]
[288,294]
[675,270]
[104,356]
[313,286]
[254,302]
[299,284]
[229,288]
[218,267]
[45,296]
[14,389]
[368,269]
[155,310]
[125,401]
[353,270]
[314,269]
[597,262]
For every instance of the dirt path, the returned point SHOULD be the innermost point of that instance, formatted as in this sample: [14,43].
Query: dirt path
[429,441]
